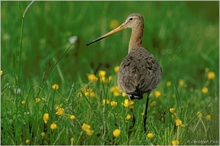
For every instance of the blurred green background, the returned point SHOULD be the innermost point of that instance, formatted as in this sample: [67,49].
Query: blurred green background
[183,36]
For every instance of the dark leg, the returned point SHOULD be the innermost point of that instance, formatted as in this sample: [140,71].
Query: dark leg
[145,113]
[132,113]
[133,118]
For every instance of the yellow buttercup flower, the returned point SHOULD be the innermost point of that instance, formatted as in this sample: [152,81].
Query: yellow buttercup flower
[175,142]
[1,72]
[205,90]
[113,24]
[113,103]
[168,84]
[178,122]
[172,110]
[89,92]
[89,132]
[43,134]
[37,100]
[53,126]
[174,115]
[211,75]
[128,103]
[116,132]
[92,94]
[46,117]
[150,135]
[60,110]
[72,117]
[103,78]
[105,101]
[199,114]
[124,94]
[79,94]
[116,69]
[108,79]
[157,94]
[102,73]
[116,94]
[128,117]
[208,117]
[87,129]
[115,90]
[153,113]
[153,103]
[92,77]
[55,86]
[71,140]
[23,102]
[27,141]
[181,82]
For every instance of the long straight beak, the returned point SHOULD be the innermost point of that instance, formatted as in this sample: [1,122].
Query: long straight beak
[121,27]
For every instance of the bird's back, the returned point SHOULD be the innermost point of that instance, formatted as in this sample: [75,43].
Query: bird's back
[139,73]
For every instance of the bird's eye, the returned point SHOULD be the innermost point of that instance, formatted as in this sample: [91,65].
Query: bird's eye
[131,18]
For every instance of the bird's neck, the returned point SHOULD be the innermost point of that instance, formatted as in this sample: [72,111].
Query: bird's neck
[136,39]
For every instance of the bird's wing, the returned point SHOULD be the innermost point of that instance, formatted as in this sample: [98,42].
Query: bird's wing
[139,74]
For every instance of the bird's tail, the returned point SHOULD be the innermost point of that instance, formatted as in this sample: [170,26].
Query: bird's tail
[133,96]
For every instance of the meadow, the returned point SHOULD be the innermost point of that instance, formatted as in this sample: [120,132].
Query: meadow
[55,90]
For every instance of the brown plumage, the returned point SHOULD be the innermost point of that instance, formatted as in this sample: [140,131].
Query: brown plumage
[139,71]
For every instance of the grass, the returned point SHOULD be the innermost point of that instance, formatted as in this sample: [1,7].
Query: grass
[37,54]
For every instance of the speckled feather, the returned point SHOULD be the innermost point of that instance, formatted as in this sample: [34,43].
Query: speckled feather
[139,73]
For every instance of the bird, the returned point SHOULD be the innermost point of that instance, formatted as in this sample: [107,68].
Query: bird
[139,72]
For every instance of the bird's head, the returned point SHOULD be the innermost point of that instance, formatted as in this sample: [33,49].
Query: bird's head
[133,21]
